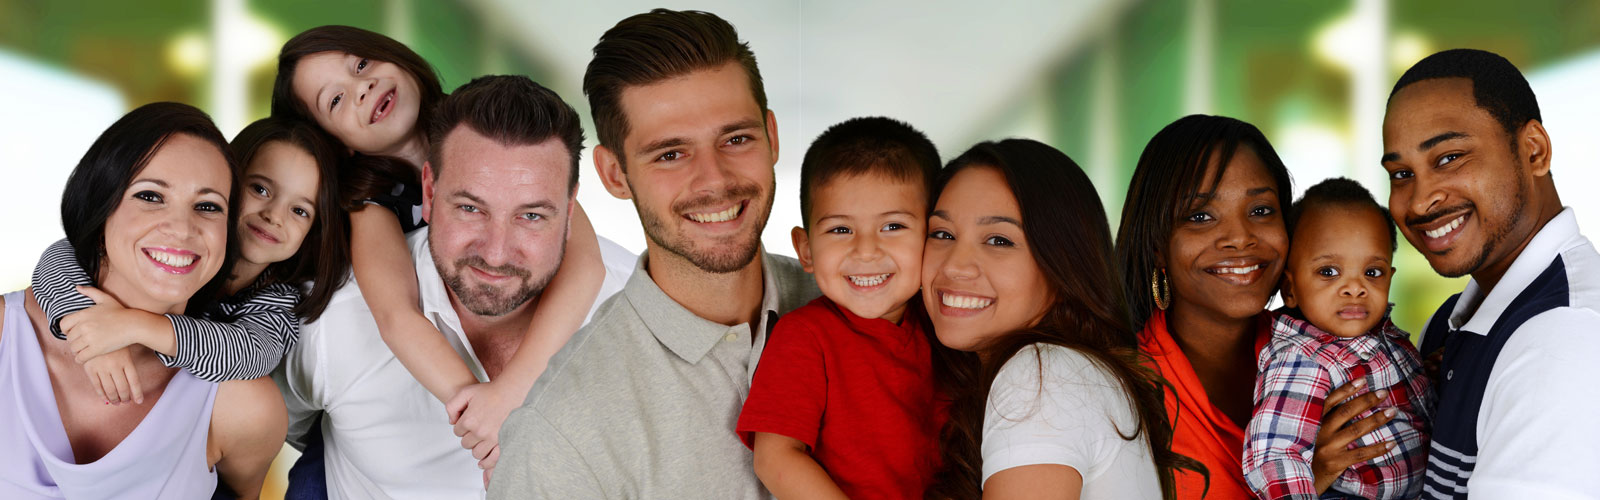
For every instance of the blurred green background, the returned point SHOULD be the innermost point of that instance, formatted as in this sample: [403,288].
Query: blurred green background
[1094,78]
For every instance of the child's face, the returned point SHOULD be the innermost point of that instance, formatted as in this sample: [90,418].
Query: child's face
[865,243]
[278,203]
[1339,268]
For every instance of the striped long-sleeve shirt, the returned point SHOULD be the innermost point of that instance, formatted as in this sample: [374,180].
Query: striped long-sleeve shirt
[1298,368]
[238,338]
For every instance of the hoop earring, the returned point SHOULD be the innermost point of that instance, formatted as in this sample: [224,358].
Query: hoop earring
[1160,289]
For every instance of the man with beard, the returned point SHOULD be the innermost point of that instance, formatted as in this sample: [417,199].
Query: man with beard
[1472,189]
[497,192]
[642,402]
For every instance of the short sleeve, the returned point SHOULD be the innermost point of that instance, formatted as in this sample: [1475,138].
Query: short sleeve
[1053,405]
[1541,393]
[789,392]
[537,461]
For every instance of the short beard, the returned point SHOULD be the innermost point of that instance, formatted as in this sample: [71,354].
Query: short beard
[485,300]
[742,252]
[1498,238]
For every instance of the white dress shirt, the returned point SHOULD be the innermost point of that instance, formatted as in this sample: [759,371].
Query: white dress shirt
[385,435]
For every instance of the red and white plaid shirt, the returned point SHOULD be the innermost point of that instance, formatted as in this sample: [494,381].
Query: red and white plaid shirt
[1298,368]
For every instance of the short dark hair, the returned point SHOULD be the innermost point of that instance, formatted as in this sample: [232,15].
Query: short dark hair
[513,111]
[1167,181]
[323,258]
[95,187]
[654,46]
[1339,191]
[859,146]
[1497,85]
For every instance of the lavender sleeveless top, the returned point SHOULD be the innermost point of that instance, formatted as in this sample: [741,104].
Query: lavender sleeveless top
[164,457]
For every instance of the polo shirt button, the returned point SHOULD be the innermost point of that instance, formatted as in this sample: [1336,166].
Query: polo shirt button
[730,337]
[1450,375]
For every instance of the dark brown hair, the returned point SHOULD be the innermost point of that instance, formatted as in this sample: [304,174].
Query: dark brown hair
[654,46]
[1339,191]
[360,43]
[324,255]
[1166,183]
[364,177]
[95,187]
[859,146]
[1069,237]
[511,110]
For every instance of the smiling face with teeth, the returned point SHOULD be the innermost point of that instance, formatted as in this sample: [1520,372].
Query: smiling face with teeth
[276,207]
[697,162]
[979,277]
[169,234]
[865,244]
[370,105]
[1226,252]
[1461,189]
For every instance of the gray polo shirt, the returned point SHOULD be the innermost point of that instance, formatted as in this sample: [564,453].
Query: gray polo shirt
[642,402]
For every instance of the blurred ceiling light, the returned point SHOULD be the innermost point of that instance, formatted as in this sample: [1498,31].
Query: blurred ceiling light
[1406,48]
[252,40]
[188,54]
[1344,42]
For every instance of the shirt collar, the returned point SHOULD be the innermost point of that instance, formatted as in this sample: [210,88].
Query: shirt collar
[1556,236]
[430,285]
[689,336]
[879,327]
[1350,350]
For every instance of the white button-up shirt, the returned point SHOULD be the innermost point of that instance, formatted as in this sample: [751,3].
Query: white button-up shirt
[385,435]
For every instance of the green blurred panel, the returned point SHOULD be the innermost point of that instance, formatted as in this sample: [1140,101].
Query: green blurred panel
[450,38]
[120,42]
[1265,70]
[1150,58]
[1530,34]
[1070,100]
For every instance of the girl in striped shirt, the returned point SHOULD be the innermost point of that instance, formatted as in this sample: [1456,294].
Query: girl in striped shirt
[290,230]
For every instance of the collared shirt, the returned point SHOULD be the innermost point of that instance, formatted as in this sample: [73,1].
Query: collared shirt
[1517,399]
[642,402]
[1200,430]
[386,436]
[1298,368]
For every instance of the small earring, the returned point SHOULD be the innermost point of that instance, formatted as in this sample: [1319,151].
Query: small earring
[1160,289]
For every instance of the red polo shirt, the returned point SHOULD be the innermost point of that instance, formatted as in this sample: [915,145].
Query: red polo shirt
[858,391]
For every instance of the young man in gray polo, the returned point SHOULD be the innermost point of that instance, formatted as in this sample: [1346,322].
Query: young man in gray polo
[642,402]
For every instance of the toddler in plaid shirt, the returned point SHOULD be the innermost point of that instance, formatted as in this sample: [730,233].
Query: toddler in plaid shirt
[1335,330]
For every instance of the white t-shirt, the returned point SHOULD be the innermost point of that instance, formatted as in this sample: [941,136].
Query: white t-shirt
[1077,419]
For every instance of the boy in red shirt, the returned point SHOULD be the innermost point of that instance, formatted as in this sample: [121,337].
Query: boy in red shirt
[843,403]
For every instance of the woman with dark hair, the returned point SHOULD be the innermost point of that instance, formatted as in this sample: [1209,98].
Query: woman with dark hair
[146,212]
[290,233]
[1202,245]
[1049,392]
[377,97]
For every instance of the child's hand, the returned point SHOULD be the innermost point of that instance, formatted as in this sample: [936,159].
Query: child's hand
[477,411]
[102,328]
[1333,453]
[114,377]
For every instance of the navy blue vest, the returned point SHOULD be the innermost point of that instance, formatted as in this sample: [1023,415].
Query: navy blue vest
[1464,373]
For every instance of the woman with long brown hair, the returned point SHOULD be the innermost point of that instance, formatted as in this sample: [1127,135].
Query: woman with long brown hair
[1049,395]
